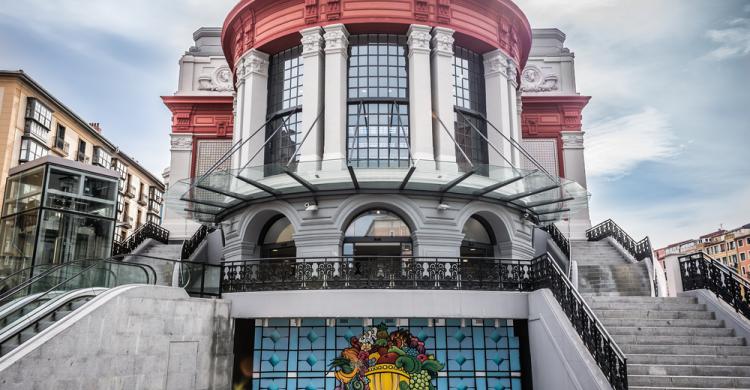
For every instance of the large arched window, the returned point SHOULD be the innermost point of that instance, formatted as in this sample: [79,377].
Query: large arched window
[377,233]
[468,73]
[479,240]
[378,103]
[276,239]
[284,108]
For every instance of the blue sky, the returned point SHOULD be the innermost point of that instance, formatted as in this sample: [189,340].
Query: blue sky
[668,127]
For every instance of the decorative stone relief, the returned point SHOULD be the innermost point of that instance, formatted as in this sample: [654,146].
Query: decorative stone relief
[254,62]
[442,41]
[496,62]
[181,142]
[336,37]
[572,139]
[419,38]
[312,41]
[219,81]
[534,80]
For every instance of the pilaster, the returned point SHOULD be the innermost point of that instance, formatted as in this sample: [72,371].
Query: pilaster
[311,150]
[252,96]
[420,105]
[441,64]
[497,95]
[336,53]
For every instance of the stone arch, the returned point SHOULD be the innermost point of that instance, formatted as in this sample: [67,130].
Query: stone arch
[402,206]
[256,218]
[499,219]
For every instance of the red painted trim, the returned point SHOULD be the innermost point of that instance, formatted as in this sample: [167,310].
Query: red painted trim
[548,116]
[204,117]
[272,25]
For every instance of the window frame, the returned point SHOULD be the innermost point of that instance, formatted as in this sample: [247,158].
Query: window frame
[284,109]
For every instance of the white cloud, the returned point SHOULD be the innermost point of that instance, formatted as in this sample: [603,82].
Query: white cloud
[615,146]
[732,41]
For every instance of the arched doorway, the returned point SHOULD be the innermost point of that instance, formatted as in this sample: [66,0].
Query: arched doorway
[479,240]
[276,239]
[377,232]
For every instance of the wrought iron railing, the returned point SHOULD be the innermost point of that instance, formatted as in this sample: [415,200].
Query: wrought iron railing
[638,249]
[433,273]
[377,272]
[700,271]
[146,231]
[558,238]
[190,245]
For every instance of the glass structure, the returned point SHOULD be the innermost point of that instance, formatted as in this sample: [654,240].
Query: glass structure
[468,73]
[54,214]
[477,354]
[377,233]
[284,108]
[378,105]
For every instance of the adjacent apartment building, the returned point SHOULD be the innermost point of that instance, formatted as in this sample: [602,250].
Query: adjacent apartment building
[730,247]
[33,124]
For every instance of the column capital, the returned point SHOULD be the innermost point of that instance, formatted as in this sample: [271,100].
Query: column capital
[337,39]
[312,41]
[442,41]
[418,39]
[181,142]
[254,62]
[496,62]
[572,139]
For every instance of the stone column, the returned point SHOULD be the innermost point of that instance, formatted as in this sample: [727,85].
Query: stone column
[420,104]
[497,94]
[311,151]
[575,169]
[336,54]
[514,100]
[442,97]
[252,96]
[181,158]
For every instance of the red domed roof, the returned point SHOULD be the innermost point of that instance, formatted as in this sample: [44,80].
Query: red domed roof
[272,25]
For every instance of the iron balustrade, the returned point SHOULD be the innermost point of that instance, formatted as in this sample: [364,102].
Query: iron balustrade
[638,249]
[700,271]
[558,238]
[146,231]
[190,245]
[433,273]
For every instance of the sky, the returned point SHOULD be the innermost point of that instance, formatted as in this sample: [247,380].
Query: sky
[667,128]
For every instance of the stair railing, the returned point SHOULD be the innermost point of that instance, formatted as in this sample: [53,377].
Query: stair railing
[600,344]
[640,250]
[558,238]
[146,231]
[700,271]
[190,245]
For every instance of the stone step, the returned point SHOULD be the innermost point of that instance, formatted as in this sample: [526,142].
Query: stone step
[699,382]
[655,314]
[671,331]
[667,323]
[651,307]
[688,360]
[721,350]
[647,300]
[688,370]
[625,339]
[634,293]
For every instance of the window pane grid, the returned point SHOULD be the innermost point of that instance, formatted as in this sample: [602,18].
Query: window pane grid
[469,94]
[283,144]
[378,111]
[284,94]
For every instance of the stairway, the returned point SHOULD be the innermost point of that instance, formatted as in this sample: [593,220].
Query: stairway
[673,343]
[163,269]
[603,270]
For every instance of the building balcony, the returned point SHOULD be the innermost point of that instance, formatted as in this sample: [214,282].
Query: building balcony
[142,200]
[130,191]
[127,222]
[365,272]
[61,147]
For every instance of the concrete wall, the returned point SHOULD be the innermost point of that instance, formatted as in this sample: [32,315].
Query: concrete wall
[131,337]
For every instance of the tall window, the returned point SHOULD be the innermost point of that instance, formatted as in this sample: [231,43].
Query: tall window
[81,156]
[378,104]
[468,73]
[284,108]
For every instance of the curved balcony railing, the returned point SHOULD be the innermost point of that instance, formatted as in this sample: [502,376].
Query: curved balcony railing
[434,273]
[700,271]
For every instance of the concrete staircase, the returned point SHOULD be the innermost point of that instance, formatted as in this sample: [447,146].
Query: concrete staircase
[603,270]
[164,269]
[674,343]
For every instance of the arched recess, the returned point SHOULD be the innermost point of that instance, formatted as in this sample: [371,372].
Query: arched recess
[377,232]
[277,238]
[479,239]
[255,222]
[497,220]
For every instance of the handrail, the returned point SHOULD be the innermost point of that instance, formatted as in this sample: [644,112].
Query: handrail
[700,271]
[190,245]
[558,238]
[147,230]
[602,346]
[187,279]
[26,283]
[638,249]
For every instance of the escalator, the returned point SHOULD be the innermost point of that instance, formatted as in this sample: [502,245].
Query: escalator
[39,301]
